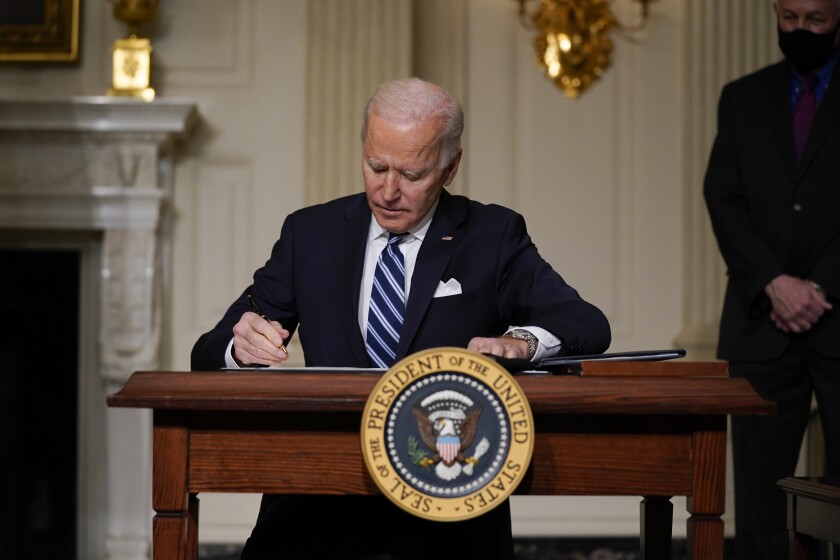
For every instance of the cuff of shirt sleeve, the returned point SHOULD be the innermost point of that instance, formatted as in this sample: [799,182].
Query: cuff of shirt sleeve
[229,361]
[548,345]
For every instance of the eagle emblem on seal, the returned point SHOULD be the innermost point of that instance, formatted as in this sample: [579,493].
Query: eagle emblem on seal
[447,422]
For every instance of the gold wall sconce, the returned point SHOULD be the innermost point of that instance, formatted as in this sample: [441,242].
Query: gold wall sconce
[573,46]
[132,56]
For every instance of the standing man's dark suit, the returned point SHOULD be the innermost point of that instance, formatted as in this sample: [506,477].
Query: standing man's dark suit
[776,217]
[771,214]
[313,284]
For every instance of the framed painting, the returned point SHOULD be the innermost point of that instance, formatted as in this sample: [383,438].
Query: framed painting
[39,30]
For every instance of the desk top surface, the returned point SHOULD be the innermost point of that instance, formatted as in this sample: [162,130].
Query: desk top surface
[641,391]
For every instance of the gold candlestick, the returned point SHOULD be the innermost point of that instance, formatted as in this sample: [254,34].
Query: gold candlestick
[132,56]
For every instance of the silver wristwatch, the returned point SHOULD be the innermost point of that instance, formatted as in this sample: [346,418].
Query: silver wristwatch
[528,337]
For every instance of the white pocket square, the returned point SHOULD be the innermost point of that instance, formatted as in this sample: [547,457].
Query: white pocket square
[451,288]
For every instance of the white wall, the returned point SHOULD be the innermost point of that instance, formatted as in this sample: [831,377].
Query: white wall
[597,179]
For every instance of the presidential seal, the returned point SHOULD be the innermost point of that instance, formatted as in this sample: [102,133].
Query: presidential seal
[447,434]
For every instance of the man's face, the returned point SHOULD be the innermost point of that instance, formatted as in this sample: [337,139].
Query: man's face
[816,16]
[401,172]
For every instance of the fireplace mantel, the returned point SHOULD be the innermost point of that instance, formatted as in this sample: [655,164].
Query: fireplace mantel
[166,117]
[104,165]
[88,163]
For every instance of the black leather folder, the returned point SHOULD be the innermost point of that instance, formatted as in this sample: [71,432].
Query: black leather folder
[570,365]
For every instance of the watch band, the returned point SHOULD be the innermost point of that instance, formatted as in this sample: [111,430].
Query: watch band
[527,336]
[817,287]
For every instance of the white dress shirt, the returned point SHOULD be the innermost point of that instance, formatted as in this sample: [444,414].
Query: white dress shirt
[377,241]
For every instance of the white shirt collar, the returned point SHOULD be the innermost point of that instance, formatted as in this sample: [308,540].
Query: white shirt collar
[418,232]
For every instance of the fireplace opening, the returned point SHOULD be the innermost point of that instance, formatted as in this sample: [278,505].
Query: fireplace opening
[39,362]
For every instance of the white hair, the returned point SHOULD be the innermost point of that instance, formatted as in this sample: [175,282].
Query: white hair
[835,2]
[413,99]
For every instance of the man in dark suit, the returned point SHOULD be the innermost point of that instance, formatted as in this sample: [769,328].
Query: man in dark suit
[472,278]
[773,192]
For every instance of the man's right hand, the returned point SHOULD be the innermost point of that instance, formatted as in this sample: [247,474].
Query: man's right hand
[259,341]
[797,304]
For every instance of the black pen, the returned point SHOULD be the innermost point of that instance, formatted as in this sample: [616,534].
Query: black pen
[259,312]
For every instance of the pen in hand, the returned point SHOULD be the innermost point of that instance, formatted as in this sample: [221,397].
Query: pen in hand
[259,312]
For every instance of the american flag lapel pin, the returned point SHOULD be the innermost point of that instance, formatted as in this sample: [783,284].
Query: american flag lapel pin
[446,238]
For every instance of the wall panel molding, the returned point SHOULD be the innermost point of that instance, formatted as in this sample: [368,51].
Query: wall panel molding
[204,43]
[352,46]
[221,197]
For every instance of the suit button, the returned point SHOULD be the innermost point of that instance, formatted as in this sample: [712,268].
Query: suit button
[797,207]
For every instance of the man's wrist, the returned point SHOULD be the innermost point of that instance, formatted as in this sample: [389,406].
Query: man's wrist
[527,336]
[818,288]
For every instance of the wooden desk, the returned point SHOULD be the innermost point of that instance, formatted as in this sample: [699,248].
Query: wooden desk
[654,430]
[813,512]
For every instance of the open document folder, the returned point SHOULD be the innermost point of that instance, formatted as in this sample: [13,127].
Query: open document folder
[559,365]
[571,364]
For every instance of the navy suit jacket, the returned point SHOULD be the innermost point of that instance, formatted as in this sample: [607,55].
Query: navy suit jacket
[771,214]
[312,283]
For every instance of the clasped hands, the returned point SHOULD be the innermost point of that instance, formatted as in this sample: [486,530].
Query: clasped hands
[797,304]
[260,341]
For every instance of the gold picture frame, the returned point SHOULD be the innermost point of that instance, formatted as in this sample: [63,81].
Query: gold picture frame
[39,31]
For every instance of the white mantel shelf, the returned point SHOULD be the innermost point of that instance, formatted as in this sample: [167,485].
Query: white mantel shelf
[176,116]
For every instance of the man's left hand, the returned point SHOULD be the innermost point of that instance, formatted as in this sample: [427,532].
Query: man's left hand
[797,304]
[503,346]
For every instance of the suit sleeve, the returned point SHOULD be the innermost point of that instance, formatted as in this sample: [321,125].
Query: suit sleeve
[531,292]
[826,272]
[750,262]
[273,288]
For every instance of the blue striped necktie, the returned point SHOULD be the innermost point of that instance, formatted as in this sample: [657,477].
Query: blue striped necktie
[387,304]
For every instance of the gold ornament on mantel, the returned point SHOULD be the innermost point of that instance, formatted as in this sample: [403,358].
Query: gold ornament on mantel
[573,46]
[132,56]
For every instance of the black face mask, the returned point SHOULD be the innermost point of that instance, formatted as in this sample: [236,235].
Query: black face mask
[806,50]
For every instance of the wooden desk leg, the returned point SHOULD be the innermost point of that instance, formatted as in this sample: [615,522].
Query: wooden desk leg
[168,534]
[656,515]
[175,537]
[705,537]
[708,499]
[800,546]
[192,528]
[175,525]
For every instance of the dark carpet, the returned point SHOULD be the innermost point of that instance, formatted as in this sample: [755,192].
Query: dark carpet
[530,549]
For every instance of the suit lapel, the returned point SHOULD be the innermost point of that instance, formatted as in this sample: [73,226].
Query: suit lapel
[827,114]
[349,242]
[444,234]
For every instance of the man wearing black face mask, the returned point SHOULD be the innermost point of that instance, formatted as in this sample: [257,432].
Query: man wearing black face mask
[772,188]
